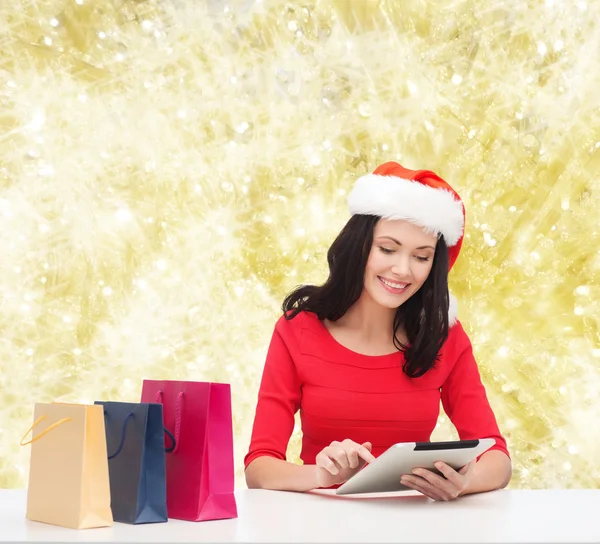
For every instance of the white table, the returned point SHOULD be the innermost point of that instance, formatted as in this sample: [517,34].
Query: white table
[272,516]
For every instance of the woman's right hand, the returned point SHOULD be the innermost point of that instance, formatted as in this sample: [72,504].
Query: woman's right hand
[341,460]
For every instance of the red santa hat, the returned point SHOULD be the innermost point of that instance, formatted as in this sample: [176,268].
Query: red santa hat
[419,196]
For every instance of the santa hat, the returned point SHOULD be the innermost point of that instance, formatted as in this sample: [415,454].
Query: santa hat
[419,196]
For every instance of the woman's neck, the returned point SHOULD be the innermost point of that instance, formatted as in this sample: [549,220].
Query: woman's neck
[369,319]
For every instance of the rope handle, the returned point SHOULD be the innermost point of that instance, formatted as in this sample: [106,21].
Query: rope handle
[122,442]
[44,432]
[123,431]
[171,448]
[175,439]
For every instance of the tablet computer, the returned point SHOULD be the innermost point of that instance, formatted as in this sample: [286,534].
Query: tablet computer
[383,474]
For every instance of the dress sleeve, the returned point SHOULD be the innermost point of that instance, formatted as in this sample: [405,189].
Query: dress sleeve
[278,400]
[465,400]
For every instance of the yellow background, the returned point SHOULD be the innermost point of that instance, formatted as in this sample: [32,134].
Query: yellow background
[170,170]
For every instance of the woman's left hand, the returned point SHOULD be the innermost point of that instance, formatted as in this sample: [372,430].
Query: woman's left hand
[440,488]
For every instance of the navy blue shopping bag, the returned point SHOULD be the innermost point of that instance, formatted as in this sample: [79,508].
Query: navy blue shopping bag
[136,461]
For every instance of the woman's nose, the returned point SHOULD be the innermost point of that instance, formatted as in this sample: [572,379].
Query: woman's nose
[401,267]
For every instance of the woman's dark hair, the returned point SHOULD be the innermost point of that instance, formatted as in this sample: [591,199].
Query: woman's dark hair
[424,316]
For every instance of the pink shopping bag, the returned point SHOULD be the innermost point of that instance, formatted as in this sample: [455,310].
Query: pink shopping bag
[200,469]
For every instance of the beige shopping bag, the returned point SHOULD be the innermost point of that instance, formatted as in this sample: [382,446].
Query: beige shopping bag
[68,473]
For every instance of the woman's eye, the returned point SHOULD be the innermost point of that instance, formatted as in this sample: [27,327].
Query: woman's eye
[386,250]
[423,259]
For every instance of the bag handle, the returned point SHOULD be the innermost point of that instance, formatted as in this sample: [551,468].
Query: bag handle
[175,439]
[122,443]
[44,432]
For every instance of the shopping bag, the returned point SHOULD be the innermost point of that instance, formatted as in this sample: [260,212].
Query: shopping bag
[136,461]
[68,471]
[200,471]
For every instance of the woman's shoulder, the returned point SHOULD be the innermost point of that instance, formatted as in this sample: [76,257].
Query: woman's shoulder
[288,323]
[456,344]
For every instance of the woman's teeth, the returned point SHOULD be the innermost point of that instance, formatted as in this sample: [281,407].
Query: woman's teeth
[393,286]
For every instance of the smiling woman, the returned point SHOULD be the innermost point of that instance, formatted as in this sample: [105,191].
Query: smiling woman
[367,357]
[401,288]
[396,271]
[406,265]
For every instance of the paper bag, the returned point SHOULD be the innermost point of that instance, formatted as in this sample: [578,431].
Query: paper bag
[200,471]
[136,461]
[68,472]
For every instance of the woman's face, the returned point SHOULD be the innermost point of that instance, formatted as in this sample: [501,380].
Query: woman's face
[400,260]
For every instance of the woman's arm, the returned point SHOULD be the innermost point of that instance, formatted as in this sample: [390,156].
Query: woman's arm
[465,402]
[492,471]
[279,398]
[270,473]
[334,465]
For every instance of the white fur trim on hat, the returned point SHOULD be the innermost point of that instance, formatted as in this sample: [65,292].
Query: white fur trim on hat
[391,197]
[452,311]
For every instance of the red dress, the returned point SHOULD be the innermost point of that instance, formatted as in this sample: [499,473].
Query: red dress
[342,394]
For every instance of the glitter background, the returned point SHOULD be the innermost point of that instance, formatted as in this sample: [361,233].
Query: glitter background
[170,170]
